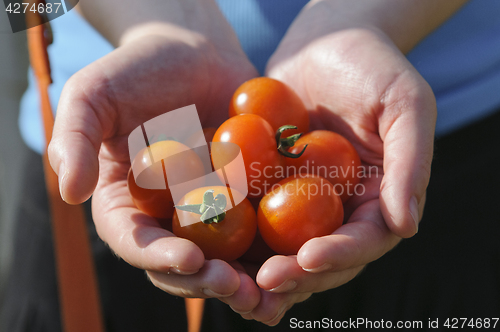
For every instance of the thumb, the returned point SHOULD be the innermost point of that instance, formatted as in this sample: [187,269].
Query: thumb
[407,129]
[76,139]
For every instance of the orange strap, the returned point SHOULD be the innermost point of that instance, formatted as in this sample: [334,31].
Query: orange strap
[78,294]
[194,311]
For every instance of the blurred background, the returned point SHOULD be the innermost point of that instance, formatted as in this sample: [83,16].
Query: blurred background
[13,82]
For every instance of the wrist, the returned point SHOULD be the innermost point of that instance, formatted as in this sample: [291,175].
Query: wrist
[404,22]
[121,21]
[161,30]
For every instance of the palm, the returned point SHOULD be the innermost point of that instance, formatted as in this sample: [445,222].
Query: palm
[358,85]
[347,96]
[136,91]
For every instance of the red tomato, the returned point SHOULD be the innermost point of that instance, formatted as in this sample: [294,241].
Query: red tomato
[299,208]
[227,239]
[255,137]
[168,159]
[156,203]
[274,101]
[331,156]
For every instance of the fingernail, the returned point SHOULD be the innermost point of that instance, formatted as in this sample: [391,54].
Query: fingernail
[280,312]
[211,293]
[62,178]
[318,269]
[181,272]
[286,286]
[241,312]
[414,211]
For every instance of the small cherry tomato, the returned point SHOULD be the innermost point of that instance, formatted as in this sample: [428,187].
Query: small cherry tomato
[331,156]
[257,142]
[225,239]
[274,101]
[169,157]
[298,208]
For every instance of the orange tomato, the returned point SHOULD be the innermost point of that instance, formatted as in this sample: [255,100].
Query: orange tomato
[227,239]
[331,156]
[273,100]
[299,208]
[153,163]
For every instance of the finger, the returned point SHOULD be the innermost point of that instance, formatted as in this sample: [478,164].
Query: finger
[137,237]
[282,274]
[247,297]
[139,240]
[215,279]
[272,307]
[78,132]
[362,240]
[407,130]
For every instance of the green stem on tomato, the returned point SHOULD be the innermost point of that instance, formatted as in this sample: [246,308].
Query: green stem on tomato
[212,209]
[288,142]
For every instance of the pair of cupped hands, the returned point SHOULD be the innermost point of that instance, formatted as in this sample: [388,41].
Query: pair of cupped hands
[354,81]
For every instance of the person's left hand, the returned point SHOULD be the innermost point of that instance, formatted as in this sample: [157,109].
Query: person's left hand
[159,67]
[355,82]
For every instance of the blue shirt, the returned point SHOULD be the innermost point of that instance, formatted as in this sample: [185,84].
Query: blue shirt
[460,60]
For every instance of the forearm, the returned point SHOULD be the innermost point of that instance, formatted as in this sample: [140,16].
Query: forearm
[120,21]
[404,22]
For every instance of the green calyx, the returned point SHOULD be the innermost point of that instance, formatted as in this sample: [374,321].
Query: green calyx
[287,142]
[212,210]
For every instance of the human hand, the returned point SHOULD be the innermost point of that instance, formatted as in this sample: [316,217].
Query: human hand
[356,82]
[157,67]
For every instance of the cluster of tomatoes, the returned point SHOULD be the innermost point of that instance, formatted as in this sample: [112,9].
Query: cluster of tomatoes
[297,180]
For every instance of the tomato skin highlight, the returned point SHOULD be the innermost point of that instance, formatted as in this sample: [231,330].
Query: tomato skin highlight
[274,101]
[159,203]
[227,240]
[326,152]
[294,212]
[255,137]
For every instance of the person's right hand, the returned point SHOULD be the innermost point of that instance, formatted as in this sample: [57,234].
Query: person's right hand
[355,81]
[157,67]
